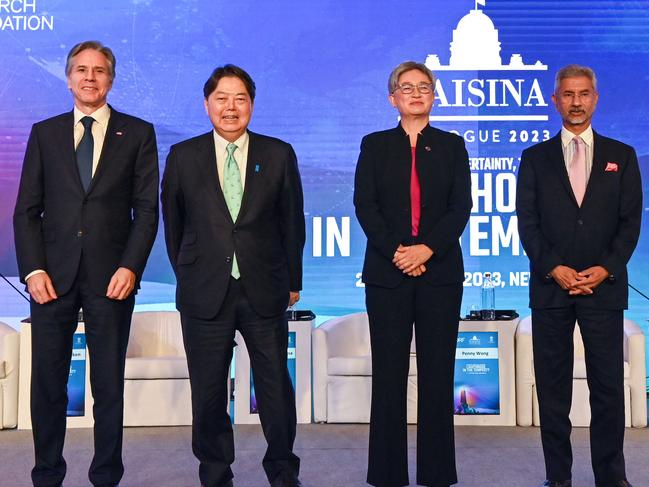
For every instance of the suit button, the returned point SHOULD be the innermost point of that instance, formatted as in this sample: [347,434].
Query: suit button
[234,230]
[580,222]
[80,233]
[228,259]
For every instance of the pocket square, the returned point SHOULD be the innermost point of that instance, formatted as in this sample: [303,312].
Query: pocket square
[611,167]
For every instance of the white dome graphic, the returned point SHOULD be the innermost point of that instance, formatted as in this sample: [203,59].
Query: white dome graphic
[475,43]
[475,46]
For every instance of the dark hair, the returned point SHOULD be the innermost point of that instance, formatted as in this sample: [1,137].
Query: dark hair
[96,46]
[229,70]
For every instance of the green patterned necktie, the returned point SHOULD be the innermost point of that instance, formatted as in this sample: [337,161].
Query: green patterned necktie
[233,192]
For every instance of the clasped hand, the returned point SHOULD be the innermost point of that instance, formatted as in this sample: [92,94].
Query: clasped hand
[410,260]
[579,283]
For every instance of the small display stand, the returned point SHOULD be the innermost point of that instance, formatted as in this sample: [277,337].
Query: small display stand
[300,324]
[79,394]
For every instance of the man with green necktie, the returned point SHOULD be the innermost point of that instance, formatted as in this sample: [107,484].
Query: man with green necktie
[234,227]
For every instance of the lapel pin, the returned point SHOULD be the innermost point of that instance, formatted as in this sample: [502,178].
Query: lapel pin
[119,133]
[611,167]
[257,167]
[428,149]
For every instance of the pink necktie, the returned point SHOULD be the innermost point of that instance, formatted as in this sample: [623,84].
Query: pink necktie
[577,171]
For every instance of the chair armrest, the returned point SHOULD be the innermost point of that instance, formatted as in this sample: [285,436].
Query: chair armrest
[524,372]
[11,353]
[347,336]
[634,354]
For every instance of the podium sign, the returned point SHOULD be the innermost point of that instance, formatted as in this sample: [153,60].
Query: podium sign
[77,379]
[79,396]
[477,384]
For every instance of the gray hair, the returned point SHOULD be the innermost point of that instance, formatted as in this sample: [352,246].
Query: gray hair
[574,71]
[96,46]
[393,80]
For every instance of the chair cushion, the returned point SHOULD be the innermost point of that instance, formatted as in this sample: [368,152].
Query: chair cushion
[156,368]
[359,365]
[579,371]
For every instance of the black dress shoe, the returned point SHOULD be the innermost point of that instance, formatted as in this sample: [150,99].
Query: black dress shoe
[227,484]
[622,483]
[286,480]
[557,483]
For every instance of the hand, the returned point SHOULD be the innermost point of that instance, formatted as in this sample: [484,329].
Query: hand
[418,271]
[40,288]
[564,276]
[408,259]
[293,297]
[121,284]
[589,279]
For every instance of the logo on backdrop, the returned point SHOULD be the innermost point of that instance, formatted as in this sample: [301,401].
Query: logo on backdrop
[497,99]
[24,15]
[476,48]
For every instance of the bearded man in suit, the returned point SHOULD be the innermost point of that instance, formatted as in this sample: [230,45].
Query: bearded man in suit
[85,220]
[579,205]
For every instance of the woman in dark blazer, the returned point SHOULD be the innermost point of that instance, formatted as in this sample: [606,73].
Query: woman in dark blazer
[413,198]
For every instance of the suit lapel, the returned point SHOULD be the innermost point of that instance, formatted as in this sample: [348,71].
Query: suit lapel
[400,163]
[116,133]
[254,167]
[597,170]
[557,160]
[426,167]
[68,154]
[206,161]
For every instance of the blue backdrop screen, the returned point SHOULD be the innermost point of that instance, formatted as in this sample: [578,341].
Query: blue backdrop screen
[321,71]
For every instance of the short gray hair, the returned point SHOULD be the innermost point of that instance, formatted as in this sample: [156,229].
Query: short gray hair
[95,46]
[575,71]
[393,80]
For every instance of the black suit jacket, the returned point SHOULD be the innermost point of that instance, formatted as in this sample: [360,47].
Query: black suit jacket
[201,237]
[112,225]
[382,201]
[554,230]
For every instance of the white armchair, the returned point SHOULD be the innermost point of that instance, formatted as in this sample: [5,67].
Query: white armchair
[9,356]
[635,396]
[156,386]
[342,372]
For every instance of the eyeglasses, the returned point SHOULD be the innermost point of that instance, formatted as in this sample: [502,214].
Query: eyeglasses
[422,88]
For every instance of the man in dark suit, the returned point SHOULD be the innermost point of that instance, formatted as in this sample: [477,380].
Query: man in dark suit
[234,225]
[579,204]
[85,220]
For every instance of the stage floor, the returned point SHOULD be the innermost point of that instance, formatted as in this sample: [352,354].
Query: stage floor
[332,456]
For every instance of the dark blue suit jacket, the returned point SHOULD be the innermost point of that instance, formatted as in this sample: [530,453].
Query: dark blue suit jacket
[113,225]
[554,230]
[268,235]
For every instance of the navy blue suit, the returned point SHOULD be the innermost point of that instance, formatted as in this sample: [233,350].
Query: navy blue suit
[604,231]
[80,238]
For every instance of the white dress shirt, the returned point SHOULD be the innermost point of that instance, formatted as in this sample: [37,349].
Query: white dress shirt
[101,116]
